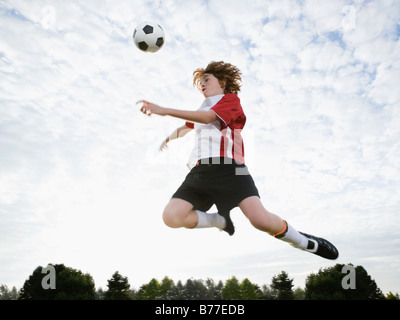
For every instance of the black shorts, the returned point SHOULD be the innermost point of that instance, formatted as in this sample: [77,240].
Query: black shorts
[219,181]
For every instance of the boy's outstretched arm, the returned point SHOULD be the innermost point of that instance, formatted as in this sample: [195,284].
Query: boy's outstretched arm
[191,116]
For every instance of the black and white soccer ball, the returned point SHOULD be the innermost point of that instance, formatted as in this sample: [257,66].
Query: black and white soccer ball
[149,36]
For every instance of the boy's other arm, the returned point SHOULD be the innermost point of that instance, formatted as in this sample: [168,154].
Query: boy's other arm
[177,133]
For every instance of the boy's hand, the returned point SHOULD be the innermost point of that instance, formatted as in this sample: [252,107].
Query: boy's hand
[150,108]
[164,145]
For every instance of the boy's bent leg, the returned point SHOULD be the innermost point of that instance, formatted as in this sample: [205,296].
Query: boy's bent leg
[179,213]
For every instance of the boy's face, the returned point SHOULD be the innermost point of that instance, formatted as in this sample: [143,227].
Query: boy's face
[210,85]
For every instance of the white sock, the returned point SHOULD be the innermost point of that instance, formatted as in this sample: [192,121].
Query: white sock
[209,220]
[295,238]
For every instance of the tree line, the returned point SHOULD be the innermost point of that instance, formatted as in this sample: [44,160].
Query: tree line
[72,284]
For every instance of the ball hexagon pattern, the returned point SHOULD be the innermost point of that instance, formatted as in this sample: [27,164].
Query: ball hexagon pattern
[149,36]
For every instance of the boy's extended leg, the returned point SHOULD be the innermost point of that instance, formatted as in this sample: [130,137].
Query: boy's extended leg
[280,229]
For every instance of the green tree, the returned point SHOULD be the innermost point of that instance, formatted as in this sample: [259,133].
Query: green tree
[214,290]
[99,295]
[6,294]
[248,290]
[392,296]
[149,291]
[71,284]
[195,290]
[327,285]
[282,286]
[299,294]
[118,288]
[231,290]
[177,292]
[165,288]
[266,293]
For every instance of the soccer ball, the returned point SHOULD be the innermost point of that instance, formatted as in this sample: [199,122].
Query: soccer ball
[149,36]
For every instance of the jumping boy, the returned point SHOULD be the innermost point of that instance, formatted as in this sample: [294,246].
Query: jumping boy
[218,172]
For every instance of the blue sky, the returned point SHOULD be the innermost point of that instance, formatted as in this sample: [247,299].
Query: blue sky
[83,183]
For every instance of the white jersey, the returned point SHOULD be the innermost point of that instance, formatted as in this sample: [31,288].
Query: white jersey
[222,137]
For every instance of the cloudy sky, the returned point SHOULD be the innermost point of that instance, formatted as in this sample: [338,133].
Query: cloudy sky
[82,181]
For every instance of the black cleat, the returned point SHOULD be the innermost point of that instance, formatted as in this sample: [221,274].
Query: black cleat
[321,247]
[229,227]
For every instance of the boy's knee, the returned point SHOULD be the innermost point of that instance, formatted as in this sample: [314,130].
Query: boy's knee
[171,218]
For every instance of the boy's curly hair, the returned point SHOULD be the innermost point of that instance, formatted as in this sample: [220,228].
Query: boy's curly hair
[224,72]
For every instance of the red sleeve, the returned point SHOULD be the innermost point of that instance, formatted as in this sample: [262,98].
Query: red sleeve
[189,124]
[228,109]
